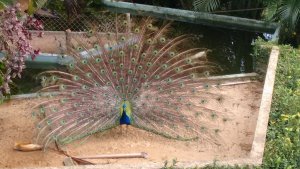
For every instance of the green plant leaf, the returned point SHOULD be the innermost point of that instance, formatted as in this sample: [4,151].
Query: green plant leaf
[206,5]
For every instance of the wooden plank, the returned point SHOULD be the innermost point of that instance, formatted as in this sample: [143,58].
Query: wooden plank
[229,22]
[259,140]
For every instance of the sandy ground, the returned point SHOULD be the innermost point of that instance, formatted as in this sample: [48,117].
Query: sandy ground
[17,125]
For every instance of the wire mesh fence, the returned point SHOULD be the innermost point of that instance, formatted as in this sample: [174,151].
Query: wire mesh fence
[62,32]
[81,23]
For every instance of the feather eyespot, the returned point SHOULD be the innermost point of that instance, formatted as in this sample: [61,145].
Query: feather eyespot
[62,87]
[149,64]
[144,55]
[122,53]
[71,65]
[164,66]
[112,61]
[98,60]
[76,78]
[136,30]
[162,40]
[144,76]
[140,67]
[149,26]
[84,61]
[172,54]
[88,75]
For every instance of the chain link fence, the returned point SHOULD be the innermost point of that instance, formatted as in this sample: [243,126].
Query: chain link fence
[62,32]
[103,22]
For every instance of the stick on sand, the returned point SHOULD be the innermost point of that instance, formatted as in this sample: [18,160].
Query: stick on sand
[133,155]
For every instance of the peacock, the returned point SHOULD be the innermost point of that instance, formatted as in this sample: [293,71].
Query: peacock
[137,75]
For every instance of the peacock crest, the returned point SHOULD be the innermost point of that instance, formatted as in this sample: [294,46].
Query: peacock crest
[135,75]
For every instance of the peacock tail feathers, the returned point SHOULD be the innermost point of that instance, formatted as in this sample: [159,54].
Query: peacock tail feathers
[164,84]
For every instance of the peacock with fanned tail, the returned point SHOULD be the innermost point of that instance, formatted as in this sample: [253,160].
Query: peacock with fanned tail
[133,76]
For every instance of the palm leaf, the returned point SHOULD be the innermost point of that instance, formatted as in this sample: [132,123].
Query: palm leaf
[34,5]
[206,5]
[289,12]
[5,3]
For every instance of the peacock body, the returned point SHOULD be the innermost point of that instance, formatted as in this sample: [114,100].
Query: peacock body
[135,76]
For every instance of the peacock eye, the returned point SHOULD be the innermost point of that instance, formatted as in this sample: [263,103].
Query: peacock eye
[76,78]
[178,69]
[162,40]
[149,64]
[112,61]
[188,61]
[136,46]
[206,73]
[136,30]
[102,71]
[172,54]
[140,67]
[149,41]
[133,60]
[144,55]
[96,46]
[54,78]
[43,78]
[164,66]
[98,60]
[149,26]
[121,53]
[84,61]
[88,75]
[71,65]
[144,76]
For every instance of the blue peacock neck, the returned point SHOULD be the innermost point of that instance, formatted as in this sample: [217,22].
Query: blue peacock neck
[125,112]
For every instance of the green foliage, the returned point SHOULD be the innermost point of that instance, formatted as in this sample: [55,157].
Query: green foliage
[288,13]
[206,5]
[170,166]
[283,141]
[34,5]
[260,54]
[4,3]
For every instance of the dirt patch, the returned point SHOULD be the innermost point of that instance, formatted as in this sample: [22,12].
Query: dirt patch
[16,124]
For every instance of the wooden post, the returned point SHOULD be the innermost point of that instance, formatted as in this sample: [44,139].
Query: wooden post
[68,40]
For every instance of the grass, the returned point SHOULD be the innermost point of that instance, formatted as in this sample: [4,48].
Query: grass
[283,137]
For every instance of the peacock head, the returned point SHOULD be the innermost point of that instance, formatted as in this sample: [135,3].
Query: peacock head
[124,106]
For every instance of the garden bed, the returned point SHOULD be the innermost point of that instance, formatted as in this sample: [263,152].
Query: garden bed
[17,125]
